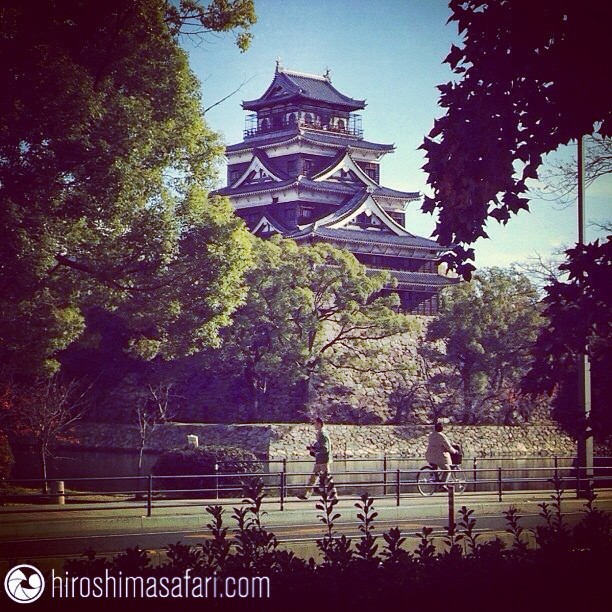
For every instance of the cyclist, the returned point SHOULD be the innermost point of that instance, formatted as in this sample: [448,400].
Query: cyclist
[439,450]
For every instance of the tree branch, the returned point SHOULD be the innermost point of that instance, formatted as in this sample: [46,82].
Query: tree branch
[244,82]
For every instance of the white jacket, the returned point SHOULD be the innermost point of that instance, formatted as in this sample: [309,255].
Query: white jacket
[439,449]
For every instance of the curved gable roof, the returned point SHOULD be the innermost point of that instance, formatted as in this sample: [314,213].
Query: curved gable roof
[290,85]
[344,161]
[361,202]
[261,162]
[268,225]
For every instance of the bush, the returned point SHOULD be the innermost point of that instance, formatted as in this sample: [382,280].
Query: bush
[201,462]
[6,458]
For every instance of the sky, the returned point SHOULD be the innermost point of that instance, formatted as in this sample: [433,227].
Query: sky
[389,52]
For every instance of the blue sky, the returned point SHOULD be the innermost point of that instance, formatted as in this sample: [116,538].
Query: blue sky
[390,53]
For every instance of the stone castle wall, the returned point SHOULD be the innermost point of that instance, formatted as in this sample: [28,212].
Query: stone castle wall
[277,441]
[345,395]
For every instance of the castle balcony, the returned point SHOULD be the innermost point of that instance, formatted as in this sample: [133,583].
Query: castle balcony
[268,125]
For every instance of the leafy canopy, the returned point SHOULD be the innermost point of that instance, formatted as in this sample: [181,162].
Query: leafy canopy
[531,77]
[302,303]
[105,167]
[487,328]
[579,314]
[189,17]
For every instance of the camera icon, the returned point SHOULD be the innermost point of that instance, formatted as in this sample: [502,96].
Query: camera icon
[24,583]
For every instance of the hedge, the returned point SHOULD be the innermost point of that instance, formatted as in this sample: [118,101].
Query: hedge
[201,461]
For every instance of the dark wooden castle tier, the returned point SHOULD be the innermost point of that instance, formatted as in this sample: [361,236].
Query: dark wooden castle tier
[304,171]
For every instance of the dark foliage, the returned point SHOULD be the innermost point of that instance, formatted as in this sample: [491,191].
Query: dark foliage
[579,312]
[519,68]
[201,462]
[6,458]
[563,566]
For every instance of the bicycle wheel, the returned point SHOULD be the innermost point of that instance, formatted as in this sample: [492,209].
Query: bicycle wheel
[457,478]
[427,480]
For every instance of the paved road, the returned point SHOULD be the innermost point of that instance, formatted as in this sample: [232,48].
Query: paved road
[112,543]
[54,534]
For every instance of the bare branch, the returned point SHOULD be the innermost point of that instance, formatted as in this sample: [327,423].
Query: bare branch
[560,178]
[229,95]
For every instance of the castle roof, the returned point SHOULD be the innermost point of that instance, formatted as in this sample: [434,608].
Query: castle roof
[369,237]
[339,226]
[303,134]
[289,85]
[407,279]
[306,184]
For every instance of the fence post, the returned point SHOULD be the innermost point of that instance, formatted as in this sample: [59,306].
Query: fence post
[451,509]
[282,489]
[475,469]
[556,468]
[499,483]
[397,487]
[284,486]
[57,492]
[216,481]
[150,496]
[385,474]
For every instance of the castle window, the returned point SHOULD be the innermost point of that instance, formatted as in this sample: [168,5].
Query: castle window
[308,164]
[371,170]
[292,166]
[398,218]
[306,213]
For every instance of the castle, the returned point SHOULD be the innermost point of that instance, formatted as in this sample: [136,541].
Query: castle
[304,171]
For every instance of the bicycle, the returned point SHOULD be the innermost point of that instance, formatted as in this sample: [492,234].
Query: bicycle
[429,479]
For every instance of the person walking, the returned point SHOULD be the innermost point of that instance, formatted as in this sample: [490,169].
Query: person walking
[321,450]
[439,450]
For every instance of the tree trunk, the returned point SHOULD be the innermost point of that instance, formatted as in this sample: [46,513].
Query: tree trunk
[304,388]
[140,453]
[43,461]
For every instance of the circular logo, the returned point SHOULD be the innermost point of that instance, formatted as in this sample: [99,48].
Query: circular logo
[24,583]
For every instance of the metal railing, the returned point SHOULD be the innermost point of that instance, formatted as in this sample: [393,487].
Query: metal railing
[390,483]
[254,127]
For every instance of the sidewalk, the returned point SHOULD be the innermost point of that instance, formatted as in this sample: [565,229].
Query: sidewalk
[37,521]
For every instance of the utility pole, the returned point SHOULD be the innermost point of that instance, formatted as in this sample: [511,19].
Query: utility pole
[585,440]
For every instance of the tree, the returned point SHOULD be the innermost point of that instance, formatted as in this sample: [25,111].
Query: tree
[105,166]
[579,313]
[192,19]
[43,413]
[484,332]
[520,67]
[420,395]
[152,409]
[543,270]
[302,304]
